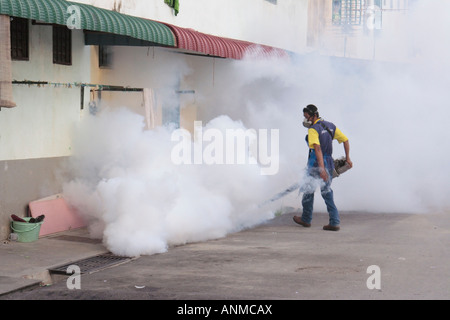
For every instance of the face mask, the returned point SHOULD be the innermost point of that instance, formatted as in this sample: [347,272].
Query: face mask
[307,123]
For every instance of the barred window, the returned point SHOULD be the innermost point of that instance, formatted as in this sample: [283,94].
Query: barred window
[104,56]
[349,12]
[19,39]
[62,45]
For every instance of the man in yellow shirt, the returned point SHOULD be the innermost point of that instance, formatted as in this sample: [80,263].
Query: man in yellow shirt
[320,138]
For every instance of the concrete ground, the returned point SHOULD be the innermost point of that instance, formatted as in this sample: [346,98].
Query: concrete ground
[278,260]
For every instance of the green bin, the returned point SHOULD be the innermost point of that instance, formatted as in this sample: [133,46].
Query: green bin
[26,231]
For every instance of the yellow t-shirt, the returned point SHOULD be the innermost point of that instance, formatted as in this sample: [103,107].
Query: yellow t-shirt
[313,136]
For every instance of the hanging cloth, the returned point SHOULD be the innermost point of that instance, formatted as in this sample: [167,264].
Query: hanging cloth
[173,4]
[149,108]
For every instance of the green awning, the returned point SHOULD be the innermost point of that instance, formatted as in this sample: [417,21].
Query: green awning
[90,18]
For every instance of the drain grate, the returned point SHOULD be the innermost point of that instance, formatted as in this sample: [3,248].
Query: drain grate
[91,264]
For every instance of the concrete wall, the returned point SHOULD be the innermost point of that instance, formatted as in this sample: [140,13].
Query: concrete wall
[35,136]
[40,125]
[159,69]
[22,181]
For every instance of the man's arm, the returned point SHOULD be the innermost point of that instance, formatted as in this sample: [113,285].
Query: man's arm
[347,153]
[341,138]
[319,156]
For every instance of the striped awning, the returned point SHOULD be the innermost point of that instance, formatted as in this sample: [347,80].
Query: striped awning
[194,41]
[105,21]
[89,18]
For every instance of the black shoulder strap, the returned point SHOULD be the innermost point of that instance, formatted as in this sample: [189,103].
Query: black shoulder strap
[326,128]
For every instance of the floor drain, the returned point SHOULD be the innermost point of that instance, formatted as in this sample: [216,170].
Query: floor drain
[92,264]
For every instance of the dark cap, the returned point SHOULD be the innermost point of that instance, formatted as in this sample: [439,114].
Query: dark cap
[311,110]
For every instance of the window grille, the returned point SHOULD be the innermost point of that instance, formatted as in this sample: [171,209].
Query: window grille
[19,39]
[104,56]
[350,12]
[62,45]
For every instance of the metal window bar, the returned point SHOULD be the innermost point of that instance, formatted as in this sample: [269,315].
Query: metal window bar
[349,12]
[19,39]
[104,56]
[62,45]
[94,87]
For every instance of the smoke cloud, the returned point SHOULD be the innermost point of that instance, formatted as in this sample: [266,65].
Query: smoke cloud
[140,202]
[394,113]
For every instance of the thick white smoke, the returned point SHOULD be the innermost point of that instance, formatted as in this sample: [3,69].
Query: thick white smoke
[395,115]
[140,202]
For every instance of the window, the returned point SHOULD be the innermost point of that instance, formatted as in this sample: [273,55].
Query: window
[19,39]
[62,45]
[104,56]
[348,12]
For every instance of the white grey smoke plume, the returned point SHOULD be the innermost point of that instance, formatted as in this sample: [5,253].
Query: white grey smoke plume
[395,115]
[139,202]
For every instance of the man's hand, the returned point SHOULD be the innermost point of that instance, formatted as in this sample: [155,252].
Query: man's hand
[347,153]
[350,163]
[323,174]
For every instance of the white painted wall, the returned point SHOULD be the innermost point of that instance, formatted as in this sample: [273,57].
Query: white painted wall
[40,126]
[159,69]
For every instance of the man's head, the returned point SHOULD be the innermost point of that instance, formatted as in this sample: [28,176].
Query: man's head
[311,114]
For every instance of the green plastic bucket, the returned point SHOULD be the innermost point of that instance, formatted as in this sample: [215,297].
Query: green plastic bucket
[26,231]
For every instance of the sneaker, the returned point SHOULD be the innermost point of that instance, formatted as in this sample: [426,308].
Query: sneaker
[331,228]
[299,220]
